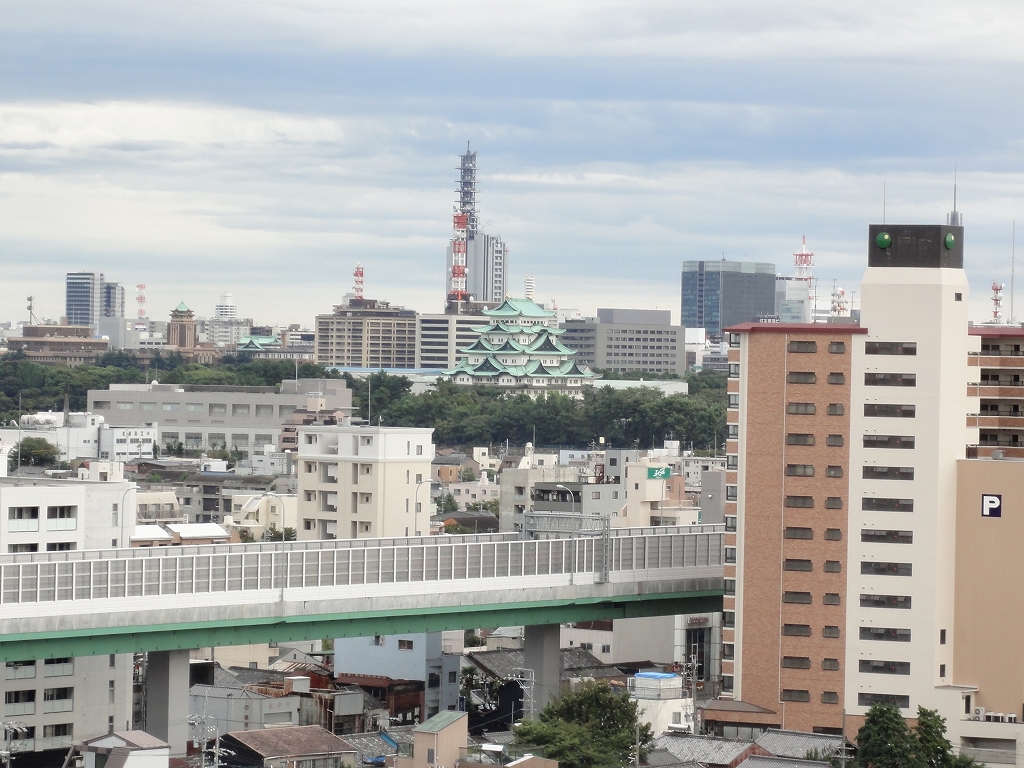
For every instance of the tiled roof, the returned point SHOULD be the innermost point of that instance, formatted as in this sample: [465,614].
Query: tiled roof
[371,745]
[292,740]
[440,721]
[761,761]
[702,749]
[798,743]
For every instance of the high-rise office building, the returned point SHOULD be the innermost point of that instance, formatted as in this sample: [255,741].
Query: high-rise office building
[113,300]
[718,294]
[628,340]
[366,333]
[83,298]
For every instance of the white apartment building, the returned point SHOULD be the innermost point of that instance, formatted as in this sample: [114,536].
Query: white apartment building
[440,339]
[85,436]
[65,700]
[908,397]
[363,482]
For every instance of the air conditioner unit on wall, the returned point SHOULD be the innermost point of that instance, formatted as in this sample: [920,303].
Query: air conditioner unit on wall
[979,713]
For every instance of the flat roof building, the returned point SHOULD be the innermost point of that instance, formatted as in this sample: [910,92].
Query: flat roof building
[718,294]
[626,340]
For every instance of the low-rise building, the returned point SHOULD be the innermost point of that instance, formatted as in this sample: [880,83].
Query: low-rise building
[127,749]
[64,345]
[287,747]
[627,340]
[663,701]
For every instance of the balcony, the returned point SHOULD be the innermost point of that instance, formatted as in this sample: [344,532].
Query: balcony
[996,389]
[54,742]
[998,420]
[985,451]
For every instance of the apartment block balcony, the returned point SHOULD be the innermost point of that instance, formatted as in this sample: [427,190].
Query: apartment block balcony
[997,420]
[985,451]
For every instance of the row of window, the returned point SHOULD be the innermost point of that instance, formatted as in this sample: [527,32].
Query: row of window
[809,409]
[807,502]
[827,697]
[804,662]
[794,532]
[807,470]
[870,347]
[808,377]
[805,598]
[804,630]
[212,409]
[797,564]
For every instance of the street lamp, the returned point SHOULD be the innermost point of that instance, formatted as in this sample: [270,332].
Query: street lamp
[572,530]
[416,505]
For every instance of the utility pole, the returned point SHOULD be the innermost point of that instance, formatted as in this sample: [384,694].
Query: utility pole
[10,728]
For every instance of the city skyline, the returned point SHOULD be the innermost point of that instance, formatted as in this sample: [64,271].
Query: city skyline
[145,145]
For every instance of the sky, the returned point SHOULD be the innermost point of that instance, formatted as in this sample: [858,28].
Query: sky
[265,147]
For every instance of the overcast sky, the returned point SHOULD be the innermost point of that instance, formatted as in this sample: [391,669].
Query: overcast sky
[263,148]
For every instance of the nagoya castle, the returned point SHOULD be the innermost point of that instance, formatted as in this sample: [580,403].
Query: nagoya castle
[519,351]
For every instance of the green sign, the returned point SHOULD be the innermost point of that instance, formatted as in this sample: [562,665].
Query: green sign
[659,473]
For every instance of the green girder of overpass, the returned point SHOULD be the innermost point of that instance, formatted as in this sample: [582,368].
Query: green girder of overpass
[202,634]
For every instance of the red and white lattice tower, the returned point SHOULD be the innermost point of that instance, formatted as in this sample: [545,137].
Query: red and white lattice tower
[803,261]
[997,302]
[357,285]
[464,225]
[140,299]
[840,306]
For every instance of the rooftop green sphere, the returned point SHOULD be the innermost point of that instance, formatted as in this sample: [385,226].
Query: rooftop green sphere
[884,240]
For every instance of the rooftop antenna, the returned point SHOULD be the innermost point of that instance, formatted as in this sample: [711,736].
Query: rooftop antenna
[1013,263]
[31,310]
[954,218]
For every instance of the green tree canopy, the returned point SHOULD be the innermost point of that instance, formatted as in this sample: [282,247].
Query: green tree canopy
[592,727]
[35,452]
[885,741]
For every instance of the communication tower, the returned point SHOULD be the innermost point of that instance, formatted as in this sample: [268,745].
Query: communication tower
[840,306]
[357,286]
[464,224]
[997,302]
[803,260]
[140,299]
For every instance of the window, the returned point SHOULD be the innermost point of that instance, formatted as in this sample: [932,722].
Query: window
[728,651]
[730,554]
[800,470]
[123,406]
[405,645]
[800,502]
[378,640]
[888,441]
[20,519]
[61,546]
[796,662]
[727,683]
[110,692]
[831,598]
[829,697]
[794,438]
[830,631]
[171,406]
[218,409]
[789,694]
[730,586]
[803,346]
[890,347]
[836,441]
[734,400]
[728,618]
[837,347]
[732,431]
[800,409]
[872,536]
[889,634]
[147,406]
[870,699]
[830,665]
[791,564]
[419,450]
[885,601]
[836,409]
[800,598]
[890,410]
[890,379]
[888,473]
[833,534]
[878,667]
[58,700]
[956,297]
[887,505]
[942,637]
[801,377]
[942,670]
[112,661]
[731,493]
[798,533]
[837,378]
[796,630]
[57,730]
[606,649]
[61,518]
[874,568]
[833,502]
[264,411]
[240,409]
[833,566]
[833,471]
[595,494]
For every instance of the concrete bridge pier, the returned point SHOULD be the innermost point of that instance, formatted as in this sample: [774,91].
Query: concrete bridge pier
[167,677]
[542,654]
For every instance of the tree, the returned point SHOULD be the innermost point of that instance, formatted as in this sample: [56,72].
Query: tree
[447,503]
[35,452]
[491,505]
[468,475]
[591,727]
[933,746]
[885,741]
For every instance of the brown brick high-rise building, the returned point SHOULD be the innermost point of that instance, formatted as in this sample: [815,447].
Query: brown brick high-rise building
[787,501]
